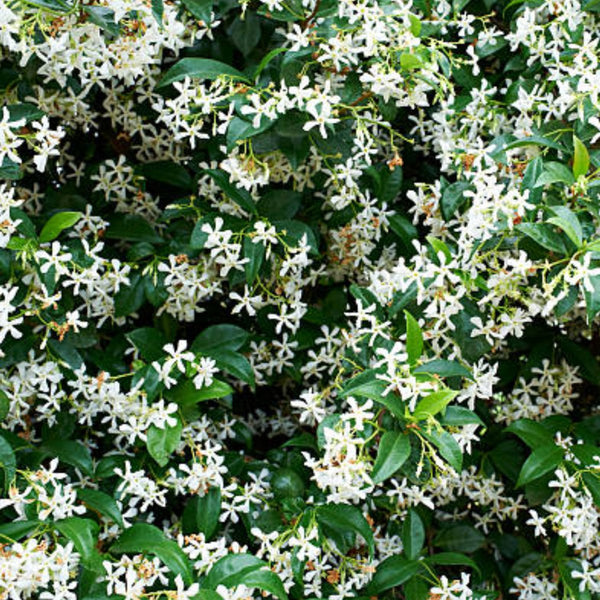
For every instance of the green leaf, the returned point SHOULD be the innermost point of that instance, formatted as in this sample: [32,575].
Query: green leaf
[266,580]
[102,503]
[341,518]
[541,461]
[57,223]
[440,247]
[24,110]
[202,512]
[207,595]
[236,364]
[201,9]
[10,170]
[460,538]
[18,244]
[158,10]
[366,297]
[26,227]
[303,440]
[130,297]
[267,59]
[66,352]
[263,579]
[72,453]
[199,68]
[403,228]
[414,338]
[532,172]
[220,337]
[592,483]
[230,568]
[51,5]
[413,534]
[453,197]
[279,204]
[409,61]
[131,228]
[365,384]
[593,246]
[570,584]
[577,355]
[448,447]
[240,196]
[453,558]
[391,573]
[84,535]
[555,172]
[148,539]
[161,443]
[433,404]
[459,415]
[394,449]
[4,405]
[581,158]
[567,220]
[543,234]
[416,589]
[103,17]
[16,530]
[255,253]
[585,453]
[240,130]
[166,171]
[8,462]
[185,394]
[535,140]
[415,25]
[148,341]
[444,368]
[199,237]
[245,32]
[329,422]
[286,483]
[531,432]
[293,231]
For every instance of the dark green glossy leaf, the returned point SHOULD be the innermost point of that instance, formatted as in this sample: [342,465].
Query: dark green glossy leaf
[542,460]
[186,394]
[230,568]
[394,449]
[391,573]
[101,503]
[413,535]
[8,462]
[148,539]
[460,538]
[148,341]
[162,442]
[72,453]
[220,337]
[84,535]
[344,517]
[199,68]
[444,368]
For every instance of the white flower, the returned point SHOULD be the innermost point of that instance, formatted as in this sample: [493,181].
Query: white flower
[205,369]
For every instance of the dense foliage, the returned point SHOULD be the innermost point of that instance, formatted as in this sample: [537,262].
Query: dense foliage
[299,299]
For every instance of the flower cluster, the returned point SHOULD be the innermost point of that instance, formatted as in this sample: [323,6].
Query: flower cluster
[299,299]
